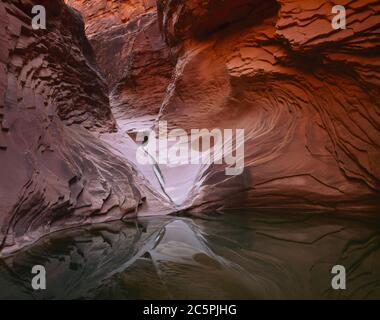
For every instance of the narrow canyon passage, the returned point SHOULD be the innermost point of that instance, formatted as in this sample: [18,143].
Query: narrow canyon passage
[243,74]
[137,84]
[82,101]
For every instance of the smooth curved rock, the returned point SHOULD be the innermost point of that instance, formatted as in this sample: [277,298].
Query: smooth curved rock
[306,95]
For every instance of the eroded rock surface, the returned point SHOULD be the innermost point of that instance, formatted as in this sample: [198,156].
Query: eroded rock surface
[307,96]
[131,52]
[54,173]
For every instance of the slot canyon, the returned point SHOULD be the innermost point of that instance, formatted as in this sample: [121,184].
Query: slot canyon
[73,97]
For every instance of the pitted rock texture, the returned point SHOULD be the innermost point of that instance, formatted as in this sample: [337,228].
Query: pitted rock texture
[307,96]
[54,173]
[130,51]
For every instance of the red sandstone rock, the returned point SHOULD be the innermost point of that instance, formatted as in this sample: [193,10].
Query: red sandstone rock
[53,173]
[130,51]
[306,95]
[101,15]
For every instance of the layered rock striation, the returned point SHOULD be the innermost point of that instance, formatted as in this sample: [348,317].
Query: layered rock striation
[54,172]
[131,53]
[307,96]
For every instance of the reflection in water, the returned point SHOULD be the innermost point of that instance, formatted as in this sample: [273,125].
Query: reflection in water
[246,255]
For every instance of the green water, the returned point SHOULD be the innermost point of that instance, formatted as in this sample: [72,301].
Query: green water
[250,255]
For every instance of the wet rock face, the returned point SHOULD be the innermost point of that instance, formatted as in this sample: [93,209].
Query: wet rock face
[130,51]
[307,96]
[54,172]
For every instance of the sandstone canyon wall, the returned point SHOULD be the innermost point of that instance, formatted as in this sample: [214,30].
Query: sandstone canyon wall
[307,96]
[54,173]
[131,53]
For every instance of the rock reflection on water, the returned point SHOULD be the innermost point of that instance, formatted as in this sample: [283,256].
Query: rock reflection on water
[261,255]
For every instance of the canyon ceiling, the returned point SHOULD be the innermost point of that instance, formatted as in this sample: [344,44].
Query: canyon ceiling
[308,97]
